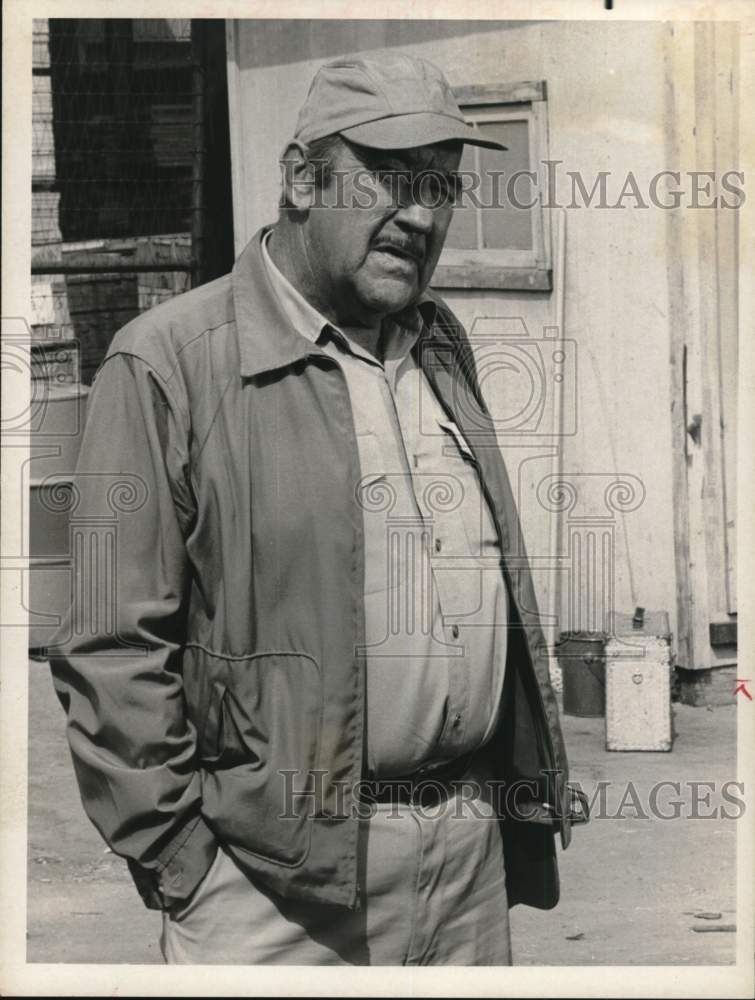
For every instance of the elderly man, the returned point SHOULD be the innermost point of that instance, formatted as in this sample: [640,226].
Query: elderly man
[323,665]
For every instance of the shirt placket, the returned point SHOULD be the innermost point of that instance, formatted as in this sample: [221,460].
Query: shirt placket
[406,410]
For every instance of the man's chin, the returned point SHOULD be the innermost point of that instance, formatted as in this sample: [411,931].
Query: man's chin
[387,296]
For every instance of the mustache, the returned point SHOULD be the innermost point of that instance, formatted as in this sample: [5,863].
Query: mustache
[414,249]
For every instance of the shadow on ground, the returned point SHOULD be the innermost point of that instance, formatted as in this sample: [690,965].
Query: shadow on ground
[632,889]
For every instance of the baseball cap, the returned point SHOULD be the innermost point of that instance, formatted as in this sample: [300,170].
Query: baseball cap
[392,102]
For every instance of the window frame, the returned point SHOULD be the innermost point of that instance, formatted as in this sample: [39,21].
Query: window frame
[507,269]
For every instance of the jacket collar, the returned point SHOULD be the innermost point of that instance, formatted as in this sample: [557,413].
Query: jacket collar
[266,337]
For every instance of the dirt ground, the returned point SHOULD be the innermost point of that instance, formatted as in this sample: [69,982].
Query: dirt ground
[632,889]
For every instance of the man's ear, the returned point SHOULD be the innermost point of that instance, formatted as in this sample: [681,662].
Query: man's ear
[298,177]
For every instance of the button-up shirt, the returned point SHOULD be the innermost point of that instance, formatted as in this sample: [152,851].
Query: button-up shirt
[434,595]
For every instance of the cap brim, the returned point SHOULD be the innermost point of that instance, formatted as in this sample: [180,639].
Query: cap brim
[419,129]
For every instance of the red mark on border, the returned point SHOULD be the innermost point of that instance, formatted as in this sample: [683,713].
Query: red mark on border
[741,689]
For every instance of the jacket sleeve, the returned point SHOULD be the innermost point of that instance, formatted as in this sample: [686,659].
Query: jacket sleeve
[116,659]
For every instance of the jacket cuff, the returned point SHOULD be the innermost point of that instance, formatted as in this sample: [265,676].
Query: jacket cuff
[181,866]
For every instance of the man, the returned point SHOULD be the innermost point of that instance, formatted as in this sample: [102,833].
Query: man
[324,662]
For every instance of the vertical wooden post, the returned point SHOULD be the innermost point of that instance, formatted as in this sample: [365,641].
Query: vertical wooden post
[701,143]
[679,311]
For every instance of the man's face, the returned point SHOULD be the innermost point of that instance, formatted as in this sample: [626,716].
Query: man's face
[374,246]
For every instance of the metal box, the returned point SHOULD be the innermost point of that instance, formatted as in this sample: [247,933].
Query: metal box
[638,684]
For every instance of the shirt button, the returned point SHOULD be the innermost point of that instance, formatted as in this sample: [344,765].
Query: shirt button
[455,631]
[457,719]
[438,545]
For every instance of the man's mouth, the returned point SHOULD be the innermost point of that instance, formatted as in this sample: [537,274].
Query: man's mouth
[399,252]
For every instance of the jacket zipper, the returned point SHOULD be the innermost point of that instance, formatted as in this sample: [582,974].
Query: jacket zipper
[356,897]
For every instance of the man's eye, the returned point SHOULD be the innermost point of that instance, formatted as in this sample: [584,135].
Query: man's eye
[436,189]
[447,190]
[429,188]
[454,190]
[392,178]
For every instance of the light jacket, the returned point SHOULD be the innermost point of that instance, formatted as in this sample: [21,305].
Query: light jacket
[220,674]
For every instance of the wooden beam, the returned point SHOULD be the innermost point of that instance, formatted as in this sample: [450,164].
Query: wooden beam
[501,93]
[678,67]
[728,233]
[530,279]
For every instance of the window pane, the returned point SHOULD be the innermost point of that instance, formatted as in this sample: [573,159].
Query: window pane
[462,233]
[507,227]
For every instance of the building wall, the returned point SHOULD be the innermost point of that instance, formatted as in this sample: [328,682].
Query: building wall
[613,100]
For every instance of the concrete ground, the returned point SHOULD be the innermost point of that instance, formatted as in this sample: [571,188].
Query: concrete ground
[635,891]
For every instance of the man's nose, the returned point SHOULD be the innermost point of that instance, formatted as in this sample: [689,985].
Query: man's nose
[416,217]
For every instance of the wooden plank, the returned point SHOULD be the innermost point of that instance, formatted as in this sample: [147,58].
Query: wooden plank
[478,276]
[694,254]
[727,263]
[501,93]
[142,253]
[708,139]
[679,112]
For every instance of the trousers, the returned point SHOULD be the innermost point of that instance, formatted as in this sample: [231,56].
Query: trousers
[432,890]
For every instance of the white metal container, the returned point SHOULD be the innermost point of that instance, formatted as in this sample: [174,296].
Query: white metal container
[638,684]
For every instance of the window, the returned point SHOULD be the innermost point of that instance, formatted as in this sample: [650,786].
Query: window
[499,236]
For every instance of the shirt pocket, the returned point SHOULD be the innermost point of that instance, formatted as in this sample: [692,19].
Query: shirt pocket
[474,512]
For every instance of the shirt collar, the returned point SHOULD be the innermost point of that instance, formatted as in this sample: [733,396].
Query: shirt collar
[307,320]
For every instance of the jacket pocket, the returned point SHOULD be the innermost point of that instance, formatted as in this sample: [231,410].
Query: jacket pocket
[260,744]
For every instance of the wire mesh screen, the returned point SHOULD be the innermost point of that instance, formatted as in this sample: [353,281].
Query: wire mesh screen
[118,150]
